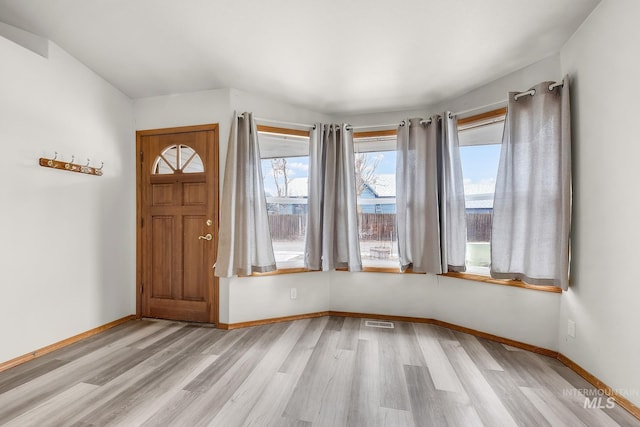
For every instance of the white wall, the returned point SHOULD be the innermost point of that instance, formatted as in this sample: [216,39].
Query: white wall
[67,240]
[604,297]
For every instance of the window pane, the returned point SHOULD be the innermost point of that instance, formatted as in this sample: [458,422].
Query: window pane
[376,188]
[286,190]
[479,169]
[172,159]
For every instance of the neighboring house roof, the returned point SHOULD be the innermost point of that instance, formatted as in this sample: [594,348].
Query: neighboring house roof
[384,185]
[299,187]
[477,195]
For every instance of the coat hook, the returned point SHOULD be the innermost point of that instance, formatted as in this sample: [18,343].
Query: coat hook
[101,166]
[50,161]
[68,165]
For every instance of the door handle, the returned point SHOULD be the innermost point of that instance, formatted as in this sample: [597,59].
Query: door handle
[207,237]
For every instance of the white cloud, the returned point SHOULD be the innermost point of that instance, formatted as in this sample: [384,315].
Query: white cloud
[298,166]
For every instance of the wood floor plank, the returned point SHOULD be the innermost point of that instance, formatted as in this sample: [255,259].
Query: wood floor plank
[393,385]
[327,371]
[120,336]
[225,361]
[335,323]
[217,386]
[27,372]
[116,394]
[519,406]
[491,410]
[132,390]
[299,357]
[31,394]
[335,401]
[618,414]
[237,409]
[162,393]
[226,342]
[171,413]
[554,412]
[268,411]
[443,375]
[44,413]
[306,399]
[477,352]
[387,417]
[425,407]
[407,345]
[365,387]
[349,334]
[552,384]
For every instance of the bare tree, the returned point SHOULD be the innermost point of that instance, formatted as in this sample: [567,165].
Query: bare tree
[365,168]
[281,176]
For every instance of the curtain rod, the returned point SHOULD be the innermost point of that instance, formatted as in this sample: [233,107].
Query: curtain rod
[388,126]
[515,97]
[533,91]
[278,122]
[402,123]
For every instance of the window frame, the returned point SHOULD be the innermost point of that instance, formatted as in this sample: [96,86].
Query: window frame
[292,132]
[377,134]
[486,116]
[481,119]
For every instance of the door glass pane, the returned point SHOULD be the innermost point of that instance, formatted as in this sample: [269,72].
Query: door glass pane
[178,158]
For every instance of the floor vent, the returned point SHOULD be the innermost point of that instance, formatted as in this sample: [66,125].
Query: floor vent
[378,324]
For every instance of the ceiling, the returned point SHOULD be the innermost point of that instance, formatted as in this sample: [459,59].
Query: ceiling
[330,56]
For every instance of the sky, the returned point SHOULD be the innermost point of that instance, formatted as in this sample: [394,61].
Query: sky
[479,165]
[480,162]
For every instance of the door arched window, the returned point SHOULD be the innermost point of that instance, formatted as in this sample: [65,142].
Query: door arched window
[177,159]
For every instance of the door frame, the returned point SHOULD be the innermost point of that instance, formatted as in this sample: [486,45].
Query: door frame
[215,162]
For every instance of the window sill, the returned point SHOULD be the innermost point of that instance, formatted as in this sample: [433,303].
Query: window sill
[464,276]
[514,283]
[280,271]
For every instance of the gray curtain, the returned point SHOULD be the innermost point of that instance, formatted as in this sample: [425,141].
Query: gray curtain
[332,225]
[244,244]
[431,222]
[532,205]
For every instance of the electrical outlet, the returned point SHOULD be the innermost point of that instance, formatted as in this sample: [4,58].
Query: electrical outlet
[571,328]
[293,293]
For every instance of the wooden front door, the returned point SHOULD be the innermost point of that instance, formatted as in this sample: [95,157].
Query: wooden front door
[178,223]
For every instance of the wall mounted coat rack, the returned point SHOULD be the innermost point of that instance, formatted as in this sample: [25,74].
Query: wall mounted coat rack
[70,166]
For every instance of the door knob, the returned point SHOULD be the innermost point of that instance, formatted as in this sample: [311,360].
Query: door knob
[207,237]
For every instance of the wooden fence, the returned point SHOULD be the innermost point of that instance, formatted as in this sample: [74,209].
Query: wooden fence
[287,226]
[479,226]
[373,226]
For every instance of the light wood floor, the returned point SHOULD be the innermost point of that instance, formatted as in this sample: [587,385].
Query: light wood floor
[327,371]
